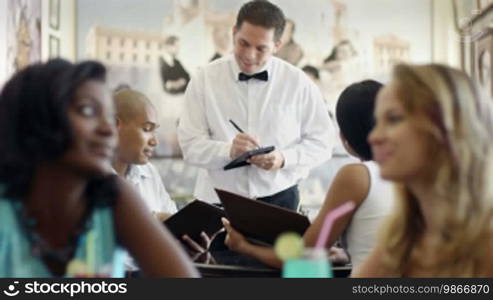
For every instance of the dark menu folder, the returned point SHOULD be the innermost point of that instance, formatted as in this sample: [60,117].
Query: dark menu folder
[194,218]
[260,221]
[241,160]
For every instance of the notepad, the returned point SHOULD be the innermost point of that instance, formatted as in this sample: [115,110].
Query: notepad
[241,160]
[260,221]
[194,218]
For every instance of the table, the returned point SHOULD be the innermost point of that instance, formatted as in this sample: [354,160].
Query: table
[218,271]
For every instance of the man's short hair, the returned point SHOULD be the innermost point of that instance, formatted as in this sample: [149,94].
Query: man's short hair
[262,13]
[129,102]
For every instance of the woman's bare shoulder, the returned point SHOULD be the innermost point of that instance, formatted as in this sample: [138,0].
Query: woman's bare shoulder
[356,177]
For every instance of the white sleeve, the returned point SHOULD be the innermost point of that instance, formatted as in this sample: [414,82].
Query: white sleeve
[317,133]
[166,204]
[194,133]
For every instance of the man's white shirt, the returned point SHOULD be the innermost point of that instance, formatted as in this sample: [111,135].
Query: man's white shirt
[147,182]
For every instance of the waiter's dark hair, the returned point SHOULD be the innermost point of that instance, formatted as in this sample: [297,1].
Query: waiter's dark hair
[262,13]
[354,114]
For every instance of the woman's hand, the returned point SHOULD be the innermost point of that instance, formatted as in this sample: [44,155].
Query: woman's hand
[338,256]
[196,247]
[199,252]
[234,240]
[237,242]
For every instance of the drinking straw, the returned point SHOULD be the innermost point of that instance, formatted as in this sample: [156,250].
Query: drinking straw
[329,221]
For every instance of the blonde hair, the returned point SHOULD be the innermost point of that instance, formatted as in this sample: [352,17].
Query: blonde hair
[446,107]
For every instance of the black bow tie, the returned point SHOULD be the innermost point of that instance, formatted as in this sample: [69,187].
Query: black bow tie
[260,76]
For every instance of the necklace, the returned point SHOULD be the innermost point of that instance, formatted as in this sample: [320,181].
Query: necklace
[40,247]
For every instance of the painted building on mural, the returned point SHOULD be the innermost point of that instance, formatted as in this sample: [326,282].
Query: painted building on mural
[124,47]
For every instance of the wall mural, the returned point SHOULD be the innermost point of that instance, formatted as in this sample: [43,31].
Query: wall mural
[23,34]
[474,18]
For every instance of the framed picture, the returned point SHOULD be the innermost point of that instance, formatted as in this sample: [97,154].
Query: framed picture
[22,39]
[484,62]
[54,47]
[54,14]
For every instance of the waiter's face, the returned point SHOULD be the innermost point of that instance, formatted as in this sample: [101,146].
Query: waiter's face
[253,46]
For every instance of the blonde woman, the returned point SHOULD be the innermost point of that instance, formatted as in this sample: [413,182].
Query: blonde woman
[433,138]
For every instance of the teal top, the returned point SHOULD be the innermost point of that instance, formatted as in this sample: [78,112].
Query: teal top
[97,253]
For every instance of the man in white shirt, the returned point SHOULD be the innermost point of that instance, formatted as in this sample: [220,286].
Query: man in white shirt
[273,102]
[137,124]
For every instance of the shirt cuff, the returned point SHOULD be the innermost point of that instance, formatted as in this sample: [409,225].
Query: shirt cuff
[225,152]
[290,158]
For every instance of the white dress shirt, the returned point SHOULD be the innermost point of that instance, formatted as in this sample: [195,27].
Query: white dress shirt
[287,111]
[147,181]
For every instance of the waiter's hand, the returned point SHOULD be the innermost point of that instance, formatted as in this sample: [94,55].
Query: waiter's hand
[243,143]
[270,161]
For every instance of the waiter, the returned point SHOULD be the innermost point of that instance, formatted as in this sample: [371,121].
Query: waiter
[273,102]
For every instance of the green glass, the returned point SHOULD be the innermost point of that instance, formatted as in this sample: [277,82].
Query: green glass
[313,263]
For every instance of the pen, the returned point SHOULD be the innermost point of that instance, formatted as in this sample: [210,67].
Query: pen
[236,126]
[239,129]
